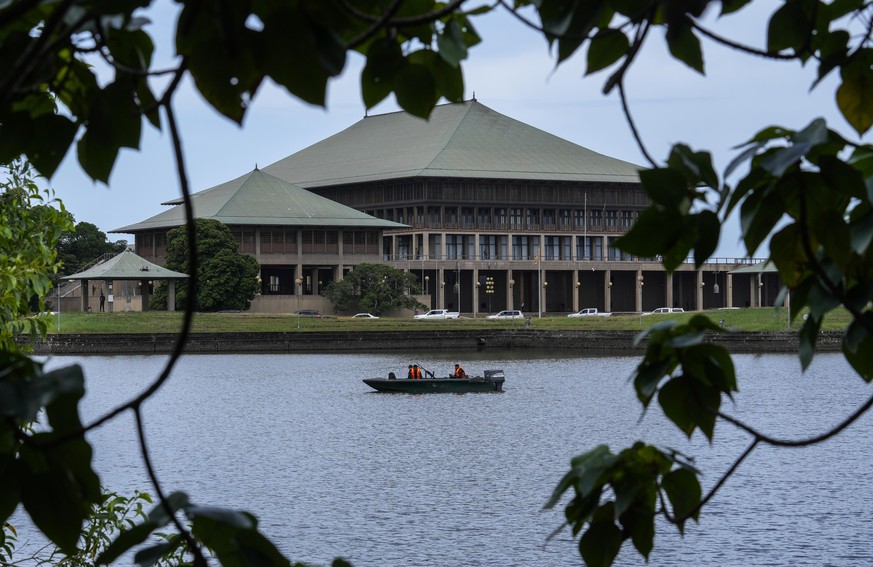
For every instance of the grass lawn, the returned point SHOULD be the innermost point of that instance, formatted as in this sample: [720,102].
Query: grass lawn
[760,319]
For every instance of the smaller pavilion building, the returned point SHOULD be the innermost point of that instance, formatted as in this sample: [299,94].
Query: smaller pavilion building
[125,267]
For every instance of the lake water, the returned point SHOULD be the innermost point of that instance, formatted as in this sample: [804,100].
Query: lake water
[332,468]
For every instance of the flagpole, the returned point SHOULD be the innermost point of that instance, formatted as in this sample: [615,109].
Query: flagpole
[540,286]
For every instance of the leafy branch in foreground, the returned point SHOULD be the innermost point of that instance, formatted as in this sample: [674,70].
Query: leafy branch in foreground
[807,191]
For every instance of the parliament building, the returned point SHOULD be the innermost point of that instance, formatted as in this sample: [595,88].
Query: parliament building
[487,212]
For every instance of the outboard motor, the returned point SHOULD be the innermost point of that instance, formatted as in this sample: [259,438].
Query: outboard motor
[497,377]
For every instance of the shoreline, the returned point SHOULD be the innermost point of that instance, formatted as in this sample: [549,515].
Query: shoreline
[583,342]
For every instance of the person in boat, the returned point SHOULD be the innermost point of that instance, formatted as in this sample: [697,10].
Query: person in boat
[410,374]
[459,372]
[416,370]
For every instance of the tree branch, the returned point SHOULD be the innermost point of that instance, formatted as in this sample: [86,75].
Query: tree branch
[407,21]
[738,46]
[377,25]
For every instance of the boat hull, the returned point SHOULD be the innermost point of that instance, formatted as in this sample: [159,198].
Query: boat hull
[491,382]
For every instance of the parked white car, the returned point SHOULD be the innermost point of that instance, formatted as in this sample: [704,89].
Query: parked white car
[507,314]
[438,314]
[363,316]
[665,310]
[589,312]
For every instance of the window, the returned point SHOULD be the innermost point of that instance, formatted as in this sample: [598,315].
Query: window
[483,219]
[488,247]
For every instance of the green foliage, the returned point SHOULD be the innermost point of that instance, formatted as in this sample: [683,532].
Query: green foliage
[228,279]
[809,191]
[374,288]
[231,536]
[102,116]
[48,472]
[8,537]
[642,480]
[83,245]
[29,233]
[113,514]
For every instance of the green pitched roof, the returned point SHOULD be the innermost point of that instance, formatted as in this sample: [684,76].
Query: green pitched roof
[459,140]
[126,266]
[258,198]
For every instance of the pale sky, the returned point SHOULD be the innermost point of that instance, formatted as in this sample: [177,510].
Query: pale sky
[512,72]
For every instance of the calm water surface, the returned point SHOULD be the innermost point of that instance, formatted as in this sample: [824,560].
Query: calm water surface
[334,469]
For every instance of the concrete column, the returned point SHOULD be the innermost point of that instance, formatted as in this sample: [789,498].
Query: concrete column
[668,291]
[510,288]
[607,290]
[476,288]
[699,291]
[341,256]
[441,288]
[729,290]
[576,290]
[258,244]
[84,286]
[638,286]
[171,295]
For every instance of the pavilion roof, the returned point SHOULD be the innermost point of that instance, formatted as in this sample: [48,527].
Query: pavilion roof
[258,198]
[126,266]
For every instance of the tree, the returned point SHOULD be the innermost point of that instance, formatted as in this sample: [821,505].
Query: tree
[229,278]
[807,191]
[83,245]
[374,288]
[30,232]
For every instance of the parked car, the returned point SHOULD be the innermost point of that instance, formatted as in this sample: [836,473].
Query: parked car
[363,316]
[665,310]
[589,312]
[438,314]
[507,314]
[308,313]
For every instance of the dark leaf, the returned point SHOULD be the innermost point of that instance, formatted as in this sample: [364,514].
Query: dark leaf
[606,48]
[807,338]
[665,186]
[415,90]
[654,233]
[708,229]
[685,46]
[125,541]
[858,349]
[789,28]
[683,490]
[690,405]
[58,488]
[384,61]
[601,542]
[855,101]
[451,44]
[779,160]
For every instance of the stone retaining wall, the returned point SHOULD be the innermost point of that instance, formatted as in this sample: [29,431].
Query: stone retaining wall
[587,342]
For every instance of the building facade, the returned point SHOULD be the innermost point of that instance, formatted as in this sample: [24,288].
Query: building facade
[488,212]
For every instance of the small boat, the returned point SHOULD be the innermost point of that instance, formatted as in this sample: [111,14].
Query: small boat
[491,382]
